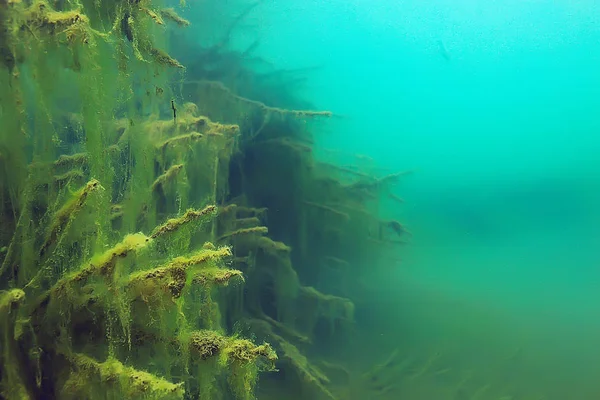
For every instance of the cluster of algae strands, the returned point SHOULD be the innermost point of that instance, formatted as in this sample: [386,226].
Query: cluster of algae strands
[86,292]
[129,223]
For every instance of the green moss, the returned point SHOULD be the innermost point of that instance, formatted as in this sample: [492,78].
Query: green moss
[240,356]
[133,268]
[13,384]
[9,299]
[90,379]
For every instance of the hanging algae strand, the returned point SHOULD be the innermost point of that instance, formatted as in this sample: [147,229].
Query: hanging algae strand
[101,290]
[13,383]
[65,214]
[166,177]
[238,356]
[41,19]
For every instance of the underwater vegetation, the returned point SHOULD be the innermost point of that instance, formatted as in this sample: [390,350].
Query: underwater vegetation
[162,234]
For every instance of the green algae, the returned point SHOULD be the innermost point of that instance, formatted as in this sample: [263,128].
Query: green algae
[138,241]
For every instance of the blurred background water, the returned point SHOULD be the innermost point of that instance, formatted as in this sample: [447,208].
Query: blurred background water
[495,106]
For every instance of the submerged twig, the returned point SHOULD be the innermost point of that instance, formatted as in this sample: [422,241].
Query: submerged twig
[260,105]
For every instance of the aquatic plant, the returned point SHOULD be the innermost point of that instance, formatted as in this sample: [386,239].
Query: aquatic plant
[130,221]
[320,221]
[93,307]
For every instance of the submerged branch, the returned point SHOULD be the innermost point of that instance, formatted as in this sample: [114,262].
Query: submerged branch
[297,113]
[174,224]
[125,381]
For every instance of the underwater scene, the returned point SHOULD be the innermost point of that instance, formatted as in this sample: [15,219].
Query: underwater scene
[300,199]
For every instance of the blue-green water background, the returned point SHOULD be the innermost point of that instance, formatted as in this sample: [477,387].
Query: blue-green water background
[502,129]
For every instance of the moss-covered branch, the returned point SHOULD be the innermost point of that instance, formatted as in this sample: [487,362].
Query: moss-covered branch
[166,177]
[171,15]
[313,380]
[89,377]
[44,19]
[14,382]
[174,224]
[172,278]
[67,212]
[255,230]
[207,344]
[261,106]
[9,300]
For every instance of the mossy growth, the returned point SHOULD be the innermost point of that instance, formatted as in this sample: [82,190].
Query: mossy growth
[90,379]
[305,232]
[140,234]
[240,357]
[107,212]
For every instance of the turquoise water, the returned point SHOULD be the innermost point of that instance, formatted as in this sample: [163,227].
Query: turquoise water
[495,106]
[121,117]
